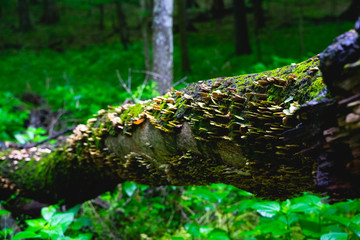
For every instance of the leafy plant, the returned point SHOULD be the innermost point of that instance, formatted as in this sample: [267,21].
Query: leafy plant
[52,225]
[31,135]
[13,113]
[6,231]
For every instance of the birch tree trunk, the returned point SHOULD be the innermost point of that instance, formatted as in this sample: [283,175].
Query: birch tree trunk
[275,134]
[163,44]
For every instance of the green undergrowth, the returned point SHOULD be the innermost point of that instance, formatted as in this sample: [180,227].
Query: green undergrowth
[217,211]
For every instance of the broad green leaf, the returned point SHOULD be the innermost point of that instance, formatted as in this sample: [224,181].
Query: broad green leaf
[204,194]
[205,230]
[218,234]
[267,208]
[74,209]
[2,212]
[246,204]
[80,222]
[355,228]
[25,235]
[129,188]
[48,212]
[37,223]
[340,219]
[310,233]
[302,207]
[285,206]
[106,196]
[356,219]
[21,138]
[62,219]
[220,195]
[244,193]
[310,226]
[276,228]
[158,206]
[84,236]
[334,236]
[55,233]
[310,200]
[193,229]
[289,219]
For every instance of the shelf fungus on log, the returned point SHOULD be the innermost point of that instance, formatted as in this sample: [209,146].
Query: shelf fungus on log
[275,133]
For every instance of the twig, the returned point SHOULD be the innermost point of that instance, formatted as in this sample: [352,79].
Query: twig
[154,74]
[54,121]
[129,79]
[181,81]
[128,90]
[143,86]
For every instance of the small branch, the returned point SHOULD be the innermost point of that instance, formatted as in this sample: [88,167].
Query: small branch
[153,74]
[128,90]
[181,81]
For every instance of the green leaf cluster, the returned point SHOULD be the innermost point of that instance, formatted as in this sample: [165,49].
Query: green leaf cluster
[53,225]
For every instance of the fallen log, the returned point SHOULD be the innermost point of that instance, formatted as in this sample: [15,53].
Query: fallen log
[275,134]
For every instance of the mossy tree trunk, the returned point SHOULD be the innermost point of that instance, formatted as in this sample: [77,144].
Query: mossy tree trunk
[275,133]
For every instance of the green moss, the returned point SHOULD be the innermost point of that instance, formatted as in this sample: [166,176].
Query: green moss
[131,112]
[316,87]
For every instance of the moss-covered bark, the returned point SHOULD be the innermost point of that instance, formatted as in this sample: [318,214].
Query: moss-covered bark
[274,133]
[220,130]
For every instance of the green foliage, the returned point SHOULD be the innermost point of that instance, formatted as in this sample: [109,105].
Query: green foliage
[54,225]
[13,113]
[6,231]
[218,211]
[31,135]
[81,79]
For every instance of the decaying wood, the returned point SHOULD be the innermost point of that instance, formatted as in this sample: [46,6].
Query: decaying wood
[276,134]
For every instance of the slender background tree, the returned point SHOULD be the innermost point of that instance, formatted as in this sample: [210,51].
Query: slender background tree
[162,41]
[182,21]
[50,12]
[242,43]
[25,24]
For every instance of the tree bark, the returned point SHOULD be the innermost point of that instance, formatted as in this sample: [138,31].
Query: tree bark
[259,14]
[242,43]
[101,17]
[50,12]
[123,28]
[217,9]
[275,133]
[24,16]
[145,10]
[182,20]
[163,44]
